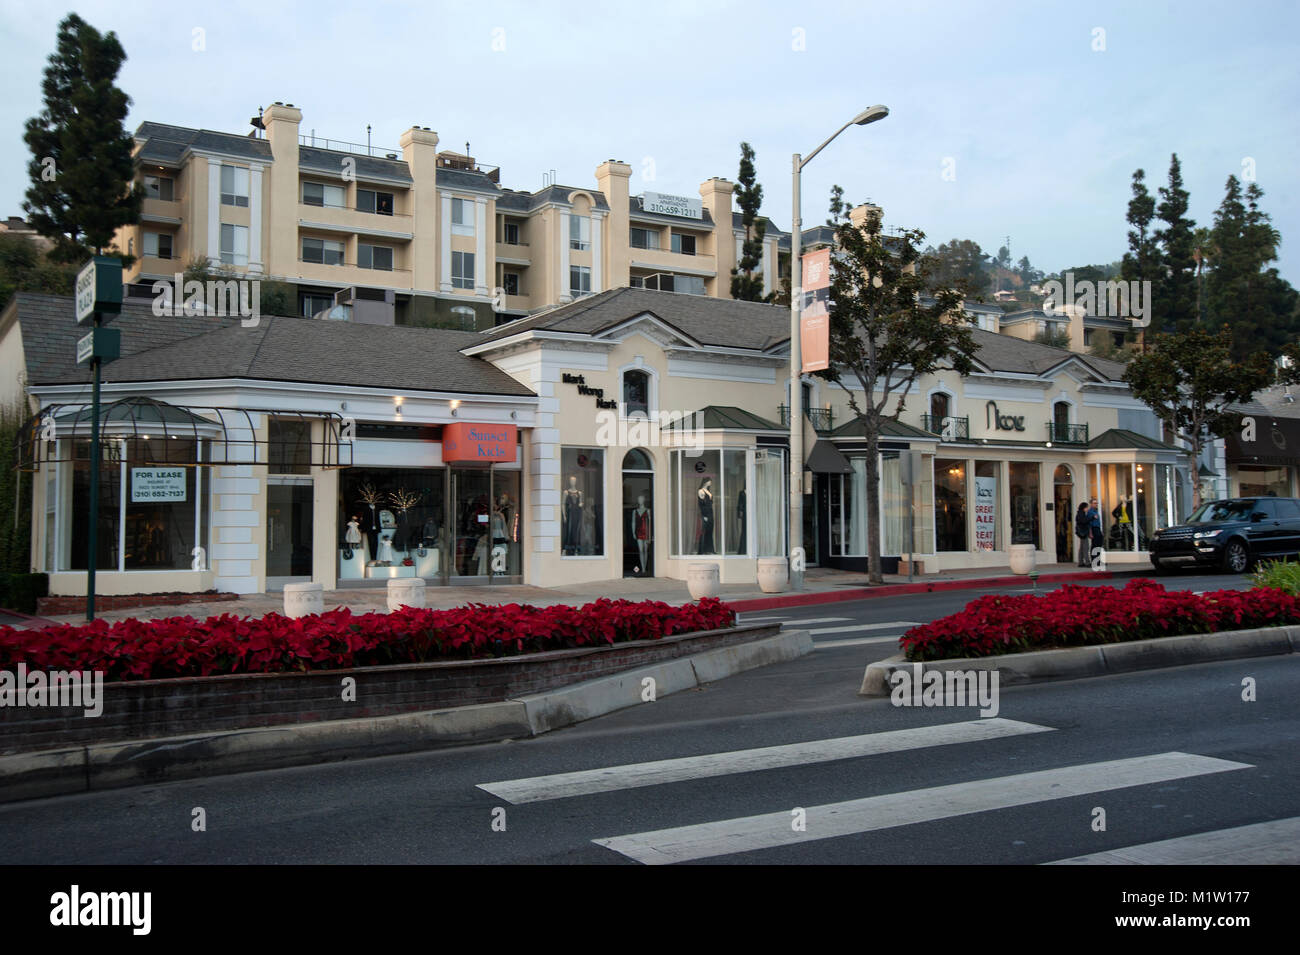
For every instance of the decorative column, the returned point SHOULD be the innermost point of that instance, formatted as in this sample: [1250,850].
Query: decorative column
[597,253]
[480,248]
[214,213]
[444,246]
[255,218]
[564,257]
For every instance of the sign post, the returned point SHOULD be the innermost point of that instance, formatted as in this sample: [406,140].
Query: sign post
[99,294]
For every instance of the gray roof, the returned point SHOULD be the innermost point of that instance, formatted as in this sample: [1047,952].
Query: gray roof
[331,161]
[1122,439]
[1000,352]
[165,143]
[466,179]
[314,351]
[770,229]
[710,321]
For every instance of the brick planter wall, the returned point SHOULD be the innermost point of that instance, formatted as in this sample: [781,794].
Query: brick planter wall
[53,606]
[148,709]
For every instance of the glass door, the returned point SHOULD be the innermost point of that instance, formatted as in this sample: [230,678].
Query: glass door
[471,509]
[288,532]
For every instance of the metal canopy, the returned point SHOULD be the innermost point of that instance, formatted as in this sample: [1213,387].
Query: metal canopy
[231,434]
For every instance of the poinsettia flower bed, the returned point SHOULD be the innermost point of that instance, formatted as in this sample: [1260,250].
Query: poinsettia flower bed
[1083,616]
[339,639]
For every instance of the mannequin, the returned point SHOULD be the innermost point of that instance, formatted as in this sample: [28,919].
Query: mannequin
[643,534]
[740,517]
[571,526]
[351,538]
[705,495]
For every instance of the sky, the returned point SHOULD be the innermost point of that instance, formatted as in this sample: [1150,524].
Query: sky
[1012,119]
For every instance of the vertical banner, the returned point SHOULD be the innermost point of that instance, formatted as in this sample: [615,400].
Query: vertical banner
[814,325]
[986,512]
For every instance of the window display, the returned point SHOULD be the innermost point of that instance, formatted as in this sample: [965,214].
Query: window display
[582,502]
[1023,481]
[950,504]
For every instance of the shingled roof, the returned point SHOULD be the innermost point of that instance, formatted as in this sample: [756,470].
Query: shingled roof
[164,143]
[313,351]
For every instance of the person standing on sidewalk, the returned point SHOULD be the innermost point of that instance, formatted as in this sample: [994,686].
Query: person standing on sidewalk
[1094,526]
[1083,531]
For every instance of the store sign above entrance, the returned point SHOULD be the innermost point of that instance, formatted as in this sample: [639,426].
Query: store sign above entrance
[1002,422]
[465,442]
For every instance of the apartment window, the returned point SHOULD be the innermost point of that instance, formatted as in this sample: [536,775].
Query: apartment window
[375,257]
[637,281]
[510,233]
[159,187]
[579,280]
[380,203]
[645,238]
[322,194]
[462,270]
[466,318]
[462,217]
[234,244]
[580,233]
[510,282]
[323,251]
[234,186]
[685,244]
[310,304]
[158,245]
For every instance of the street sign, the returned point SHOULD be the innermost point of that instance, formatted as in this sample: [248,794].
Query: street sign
[102,343]
[99,288]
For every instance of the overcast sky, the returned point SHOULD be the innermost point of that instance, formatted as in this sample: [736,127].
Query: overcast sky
[1005,117]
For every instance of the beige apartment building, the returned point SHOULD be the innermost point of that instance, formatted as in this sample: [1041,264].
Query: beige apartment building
[431,232]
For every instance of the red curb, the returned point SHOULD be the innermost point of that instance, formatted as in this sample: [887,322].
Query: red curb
[895,590]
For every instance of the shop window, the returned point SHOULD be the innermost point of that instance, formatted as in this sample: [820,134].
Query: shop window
[636,393]
[582,502]
[1255,481]
[735,504]
[1023,479]
[709,502]
[639,531]
[770,504]
[949,504]
[893,506]
[988,523]
[391,516]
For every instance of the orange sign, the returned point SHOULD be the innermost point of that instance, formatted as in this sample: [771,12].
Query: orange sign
[466,441]
[817,270]
[815,338]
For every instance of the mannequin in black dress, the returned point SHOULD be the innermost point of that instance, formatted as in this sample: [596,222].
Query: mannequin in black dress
[705,496]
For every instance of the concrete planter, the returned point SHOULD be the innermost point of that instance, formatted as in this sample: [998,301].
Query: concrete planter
[703,580]
[773,575]
[405,592]
[1024,558]
[303,599]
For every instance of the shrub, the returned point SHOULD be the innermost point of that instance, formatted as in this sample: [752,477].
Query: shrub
[21,591]
[183,646]
[1279,574]
[1078,616]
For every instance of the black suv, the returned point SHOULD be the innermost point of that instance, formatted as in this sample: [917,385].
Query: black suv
[1231,534]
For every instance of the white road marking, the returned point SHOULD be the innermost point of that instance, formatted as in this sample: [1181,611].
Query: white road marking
[800,621]
[748,833]
[634,775]
[861,641]
[1264,843]
[891,625]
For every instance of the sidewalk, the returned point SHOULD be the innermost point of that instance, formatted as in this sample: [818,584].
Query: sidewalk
[821,585]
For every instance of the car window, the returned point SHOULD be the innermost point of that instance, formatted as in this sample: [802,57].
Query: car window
[1287,510]
[1267,508]
[1212,511]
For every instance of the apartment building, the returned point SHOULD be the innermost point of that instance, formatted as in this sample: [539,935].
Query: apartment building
[431,232]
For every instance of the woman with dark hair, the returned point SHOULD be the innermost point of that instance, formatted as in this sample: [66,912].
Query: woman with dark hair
[705,496]
[1083,531]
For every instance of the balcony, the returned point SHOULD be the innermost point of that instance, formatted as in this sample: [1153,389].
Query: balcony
[513,253]
[959,428]
[1067,433]
[663,260]
[395,226]
[823,419]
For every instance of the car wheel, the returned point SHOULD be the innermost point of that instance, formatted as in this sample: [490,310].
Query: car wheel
[1235,557]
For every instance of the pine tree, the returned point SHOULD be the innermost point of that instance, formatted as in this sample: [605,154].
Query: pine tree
[82,172]
[746,280]
[1174,304]
[1141,261]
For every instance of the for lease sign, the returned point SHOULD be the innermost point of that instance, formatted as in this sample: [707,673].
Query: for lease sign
[153,485]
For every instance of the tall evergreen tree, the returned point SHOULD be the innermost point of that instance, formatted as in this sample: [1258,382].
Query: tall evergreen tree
[1141,261]
[82,174]
[746,278]
[1174,288]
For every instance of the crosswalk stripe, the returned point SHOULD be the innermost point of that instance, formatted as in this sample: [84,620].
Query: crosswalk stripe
[748,833]
[893,624]
[748,619]
[832,644]
[634,775]
[1264,843]
[801,621]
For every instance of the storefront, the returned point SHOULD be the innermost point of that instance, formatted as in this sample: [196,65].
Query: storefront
[1263,451]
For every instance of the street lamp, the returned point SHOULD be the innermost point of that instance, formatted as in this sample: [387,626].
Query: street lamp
[869,115]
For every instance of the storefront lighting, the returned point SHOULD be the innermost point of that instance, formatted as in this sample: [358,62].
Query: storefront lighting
[1049,444]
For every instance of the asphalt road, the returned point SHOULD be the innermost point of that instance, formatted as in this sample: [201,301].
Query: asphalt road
[939,792]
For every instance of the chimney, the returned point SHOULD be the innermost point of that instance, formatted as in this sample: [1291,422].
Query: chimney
[715,195]
[612,177]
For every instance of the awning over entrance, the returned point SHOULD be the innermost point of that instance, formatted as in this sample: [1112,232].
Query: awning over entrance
[233,435]
[1276,441]
[825,458]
